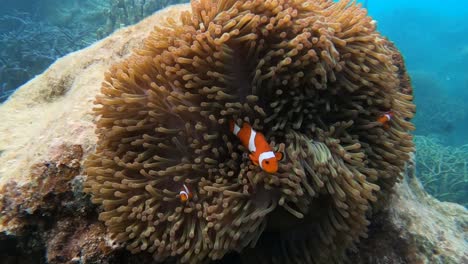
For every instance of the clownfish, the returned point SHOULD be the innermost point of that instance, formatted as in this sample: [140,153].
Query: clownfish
[385,118]
[261,153]
[185,194]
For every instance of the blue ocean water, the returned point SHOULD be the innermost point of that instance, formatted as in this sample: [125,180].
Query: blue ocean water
[433,37]
[431,34]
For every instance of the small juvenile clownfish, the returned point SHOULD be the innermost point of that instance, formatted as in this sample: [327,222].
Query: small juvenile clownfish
[185,194]
[261,153]
[385,118]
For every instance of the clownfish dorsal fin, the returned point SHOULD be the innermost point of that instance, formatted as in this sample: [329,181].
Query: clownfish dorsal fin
[231,125]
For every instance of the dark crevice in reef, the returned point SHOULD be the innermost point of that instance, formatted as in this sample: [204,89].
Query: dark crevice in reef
[24,249]
[384,235]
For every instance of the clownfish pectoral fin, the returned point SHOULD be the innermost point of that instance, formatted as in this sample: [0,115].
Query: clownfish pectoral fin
[279,156]
[253,159]
[183,197]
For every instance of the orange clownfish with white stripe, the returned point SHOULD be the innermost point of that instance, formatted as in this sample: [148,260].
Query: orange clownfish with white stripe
[185,194]
[385,118]
[261,153]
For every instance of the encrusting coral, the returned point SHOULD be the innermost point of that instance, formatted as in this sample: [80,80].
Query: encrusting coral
[312,75]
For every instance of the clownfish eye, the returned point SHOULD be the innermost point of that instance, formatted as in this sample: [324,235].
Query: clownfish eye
[267,162]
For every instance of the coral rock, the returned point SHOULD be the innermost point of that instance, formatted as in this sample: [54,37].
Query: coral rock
[413,227]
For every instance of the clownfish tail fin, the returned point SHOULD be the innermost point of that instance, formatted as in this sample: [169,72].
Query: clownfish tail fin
[231,125]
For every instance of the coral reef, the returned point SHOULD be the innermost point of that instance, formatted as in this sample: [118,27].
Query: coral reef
[4,92]
[33,38]
[312,75]
[126,12]
[443,170]
[28,45]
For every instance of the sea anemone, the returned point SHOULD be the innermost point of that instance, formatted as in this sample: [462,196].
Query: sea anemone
[312,75]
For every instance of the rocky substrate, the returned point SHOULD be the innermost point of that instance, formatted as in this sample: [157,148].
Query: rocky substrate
[414,227]
[47,131]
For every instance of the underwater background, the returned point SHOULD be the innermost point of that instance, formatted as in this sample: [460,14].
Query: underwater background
[431,34]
